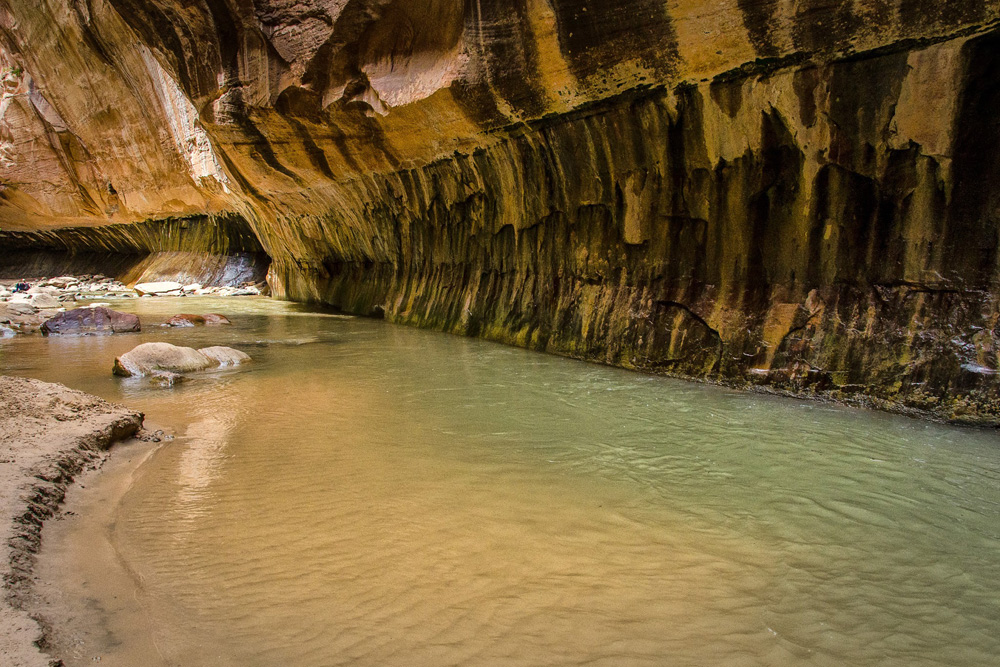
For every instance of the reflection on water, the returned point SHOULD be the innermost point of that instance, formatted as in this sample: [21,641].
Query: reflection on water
[387,496]
[199,466]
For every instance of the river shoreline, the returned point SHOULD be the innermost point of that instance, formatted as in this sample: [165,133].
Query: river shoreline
[666,513]
[49,434]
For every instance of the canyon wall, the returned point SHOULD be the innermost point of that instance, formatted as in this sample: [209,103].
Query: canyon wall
[791,193]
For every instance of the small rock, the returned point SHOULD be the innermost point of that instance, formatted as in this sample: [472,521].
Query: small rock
[193,287]
[188,320]
[164,379]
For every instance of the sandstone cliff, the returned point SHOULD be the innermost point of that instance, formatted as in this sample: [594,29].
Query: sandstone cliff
[797,193]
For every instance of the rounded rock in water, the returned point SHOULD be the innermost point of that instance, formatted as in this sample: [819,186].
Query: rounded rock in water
[188,320]
[158,359]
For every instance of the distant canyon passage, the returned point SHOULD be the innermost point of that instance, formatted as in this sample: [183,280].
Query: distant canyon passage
[799,194]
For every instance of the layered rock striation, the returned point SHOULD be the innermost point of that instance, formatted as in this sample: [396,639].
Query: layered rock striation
[794,194]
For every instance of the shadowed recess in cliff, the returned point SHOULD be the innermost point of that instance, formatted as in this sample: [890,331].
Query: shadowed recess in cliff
[972,238]
[219,251]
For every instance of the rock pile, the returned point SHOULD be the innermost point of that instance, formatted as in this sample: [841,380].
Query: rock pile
[70,288]
[22,317]
[25,305]
[170,288]
[66,286]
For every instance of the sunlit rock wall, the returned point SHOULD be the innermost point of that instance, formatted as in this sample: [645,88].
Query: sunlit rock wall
[794,193]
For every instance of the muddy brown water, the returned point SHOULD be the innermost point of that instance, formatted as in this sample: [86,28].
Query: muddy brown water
[365,494]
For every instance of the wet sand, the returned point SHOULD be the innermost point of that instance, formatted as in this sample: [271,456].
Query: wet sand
[83,534]
[49,434]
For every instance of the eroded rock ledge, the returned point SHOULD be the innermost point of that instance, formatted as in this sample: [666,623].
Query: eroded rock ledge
[789,194]
[48,435]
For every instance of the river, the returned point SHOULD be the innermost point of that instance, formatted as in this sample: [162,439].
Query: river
[367,494]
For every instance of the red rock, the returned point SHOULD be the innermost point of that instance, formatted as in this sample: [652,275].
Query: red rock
[91,320]
[188,320]
[215,318]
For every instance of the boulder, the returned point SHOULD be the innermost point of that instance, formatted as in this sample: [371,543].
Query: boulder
[91,320]
[225,356]
[44,301]
[21,317]
[151,358]
[21,307]
[239,291]
[185,320]
[160,359]
[62,282]
[188,320]
[193,287]
[163,288]
[215,319]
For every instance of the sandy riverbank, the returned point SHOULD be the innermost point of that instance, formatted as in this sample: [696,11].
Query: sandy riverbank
[48,435]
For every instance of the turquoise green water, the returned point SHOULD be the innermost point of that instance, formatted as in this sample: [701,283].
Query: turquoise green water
[365,494]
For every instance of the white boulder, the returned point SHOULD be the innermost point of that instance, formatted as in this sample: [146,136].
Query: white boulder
[164,359]
[225,356]
[44,301]
[161,288]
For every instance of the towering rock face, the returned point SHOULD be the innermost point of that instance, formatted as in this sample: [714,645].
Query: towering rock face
[797,193]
